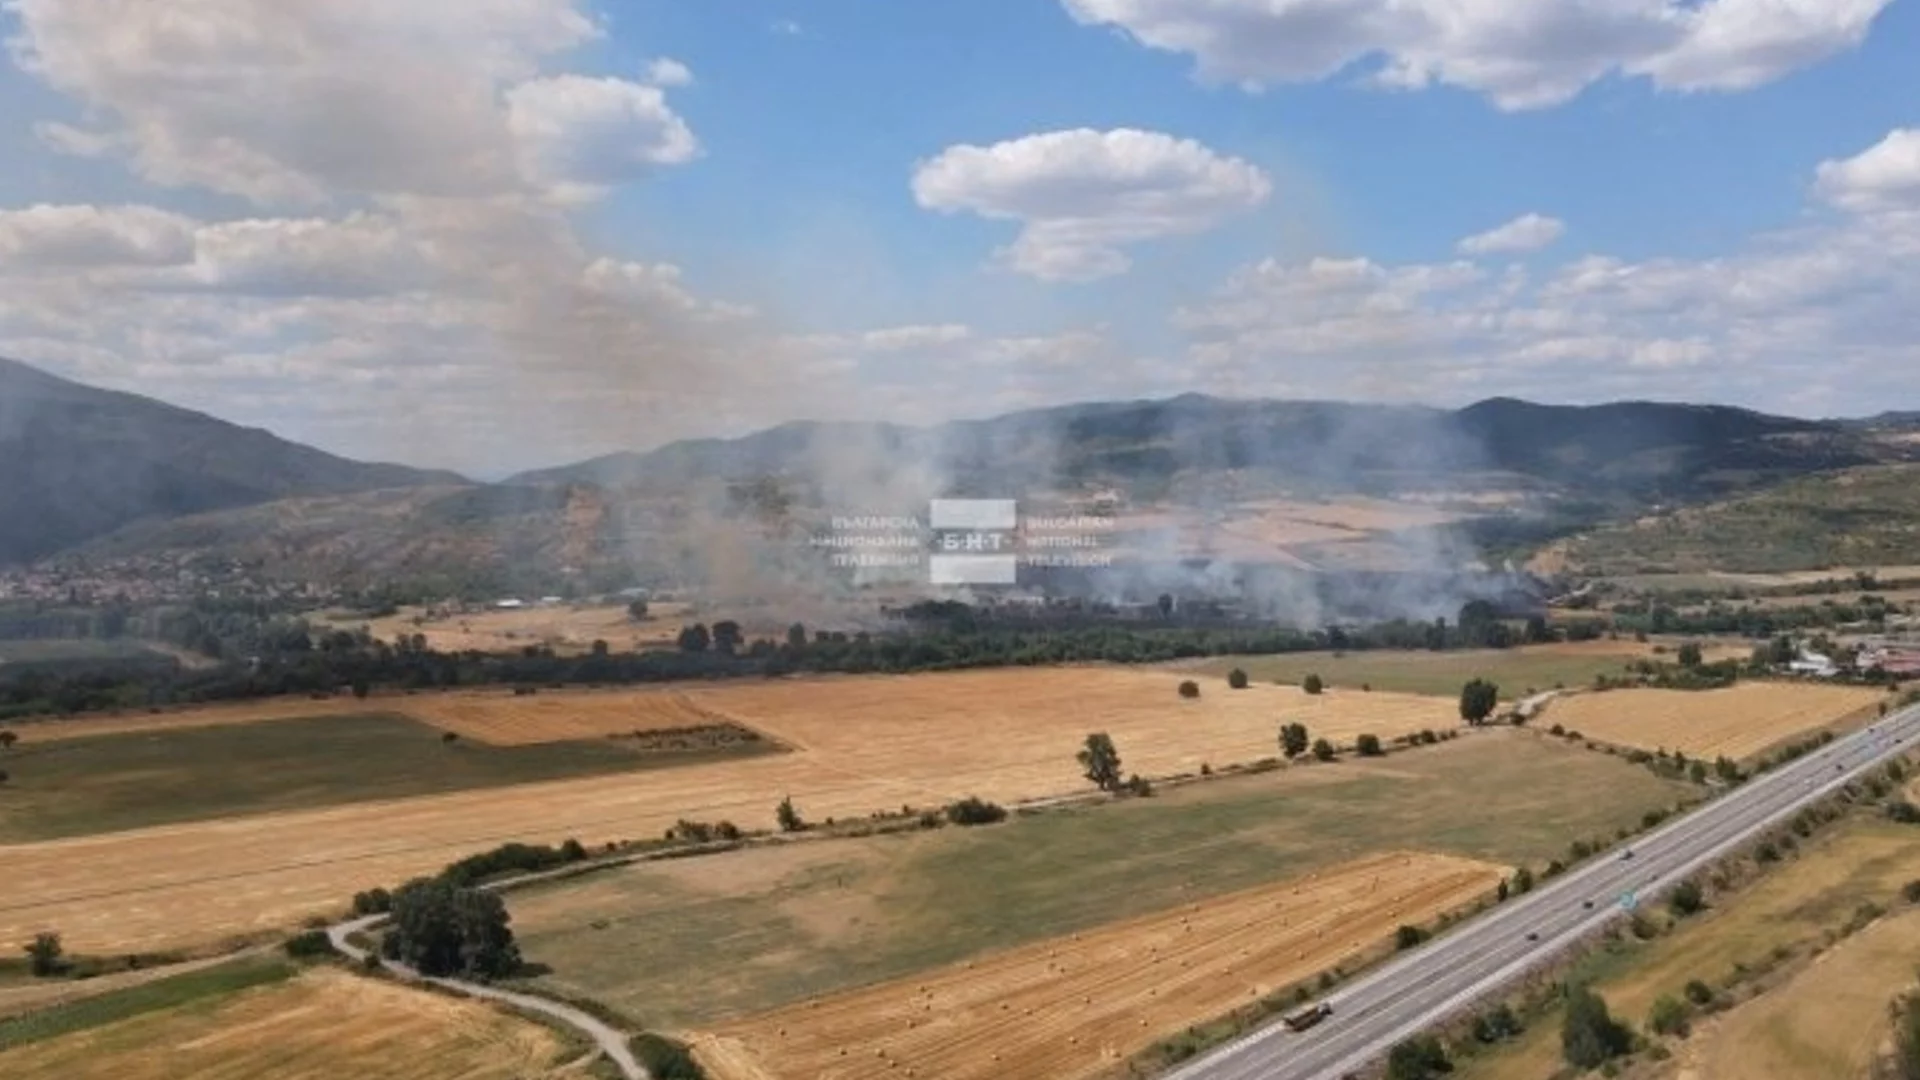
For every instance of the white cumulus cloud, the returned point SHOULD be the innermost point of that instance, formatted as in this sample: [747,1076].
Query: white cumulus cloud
[1528,232]
[1521,56]
[667,71]
[1082,196]
[1885,176]
[40,238]
[590,134]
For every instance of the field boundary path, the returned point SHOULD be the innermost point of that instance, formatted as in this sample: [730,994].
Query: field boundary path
[611,1042]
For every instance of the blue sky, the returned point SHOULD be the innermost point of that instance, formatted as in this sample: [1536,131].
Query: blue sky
[508,238]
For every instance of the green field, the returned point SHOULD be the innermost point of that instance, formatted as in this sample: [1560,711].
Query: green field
[694,940]
[1793,907]
[208,983]
[73,787]
[1515,671]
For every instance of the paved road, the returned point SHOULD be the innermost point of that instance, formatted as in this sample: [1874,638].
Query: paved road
[1423,987]
[611,1042]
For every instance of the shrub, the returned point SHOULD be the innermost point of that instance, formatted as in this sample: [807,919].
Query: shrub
[1369,746]
[1418,1058]
[1407,937]
[1668,1016]
[45,955]
[1496,1024]
[1686,899]
[1903,812]
[788,817]
[372,902]
[1236,679]
[1427,737]
[1322,750]
[1313,684]
[1189,689]
[1589,1035]
[975,811]
[505,859]
[665,1059]
[309,945]
[1139,785]
[1910,892]
[1698,992]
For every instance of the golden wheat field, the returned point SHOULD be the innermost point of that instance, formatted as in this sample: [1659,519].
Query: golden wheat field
[863,744]
[323,1025]
[1736,722]
[1073,1007]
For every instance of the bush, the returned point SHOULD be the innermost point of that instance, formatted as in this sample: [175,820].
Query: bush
[1496,1025]
[1910,892]
[1418,1058]
[1369,746]
[1408,937]
[665,1059]
[1237,679]
[788,817]
[1313,684]
[309,945]
[1189,689]
[1139,785]
[975,811]
[505,859]
[45,955]
[1668,1016]
[1903,812]
[1322,750]
[1686,899]
[372,902]
[1589,1035]
[1698,992]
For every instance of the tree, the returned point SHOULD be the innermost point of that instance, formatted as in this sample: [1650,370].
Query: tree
[1906,1040]
[1690,656]
[1522,881]
[1293,740]
[1407,937]
[441,929]
[1538,632]
[1502,891]
[1686,899]
[599,648]
[1418,1058]
[1100,761]
[1165,604]
[1322,750]
[1237,679]
[44,954]
[361,688]
[788,817]
[4,777]
[1697,772]
[797,635]
[637,611]
[1368,746]
[7,739]
[727,638]
[695,639]
[1698,992]
[1312,684]
[1589,1035]
[1189,688]
[1478,699]
[449,737]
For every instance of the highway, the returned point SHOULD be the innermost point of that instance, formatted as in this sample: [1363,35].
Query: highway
[1423,987]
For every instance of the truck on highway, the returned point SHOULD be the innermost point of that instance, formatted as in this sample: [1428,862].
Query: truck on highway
[1306,1018]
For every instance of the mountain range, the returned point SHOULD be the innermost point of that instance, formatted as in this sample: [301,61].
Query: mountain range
[97,472]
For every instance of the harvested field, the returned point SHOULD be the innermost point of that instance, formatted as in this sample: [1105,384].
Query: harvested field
[863,742]
[1070,1008]
[1794,907]
[1828,1021]
[1736,722]
[502,718]
[76,787]
[323,1025]
[565,629]
[756,930]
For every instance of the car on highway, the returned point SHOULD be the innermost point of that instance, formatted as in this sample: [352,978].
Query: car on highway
[1306,1018]
[1532,936]
[1627,854]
